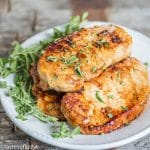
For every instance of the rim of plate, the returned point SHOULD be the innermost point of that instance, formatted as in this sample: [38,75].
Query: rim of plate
[40,137]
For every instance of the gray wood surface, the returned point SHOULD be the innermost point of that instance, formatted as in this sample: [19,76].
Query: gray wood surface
[20,19]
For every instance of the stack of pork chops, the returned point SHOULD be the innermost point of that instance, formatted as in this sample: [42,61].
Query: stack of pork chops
[89,79]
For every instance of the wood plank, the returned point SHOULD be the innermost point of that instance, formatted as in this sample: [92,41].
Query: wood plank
[97,9]
[10,135]
[6,38]
[5,6]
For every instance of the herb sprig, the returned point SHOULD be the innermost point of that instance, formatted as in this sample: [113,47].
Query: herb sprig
[99,97]
[3,84]
[19,62]
[146,64]
[62,131]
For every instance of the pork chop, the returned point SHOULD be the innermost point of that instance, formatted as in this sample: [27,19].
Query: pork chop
[81,56]
[109,101]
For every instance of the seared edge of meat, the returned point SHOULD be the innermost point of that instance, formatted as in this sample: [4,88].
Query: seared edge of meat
[47,101]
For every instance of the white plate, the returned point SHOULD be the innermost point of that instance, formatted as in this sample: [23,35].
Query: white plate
[41,131]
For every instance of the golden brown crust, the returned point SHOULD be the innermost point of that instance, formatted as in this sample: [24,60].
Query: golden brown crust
[117,122]
[92,49]
[47,101]
[122,92]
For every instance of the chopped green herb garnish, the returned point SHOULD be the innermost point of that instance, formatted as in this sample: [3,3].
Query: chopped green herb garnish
[103,43]
[127,123]
[124,108]
[94,69]
[70,61]
[101,134]
[122,83]
[52,58]
[110,115]
[98,96]
[73,59]
[81,51]
[146,64]
[63,131]
[89,47]
[118,76]
[3,84]
[111,96]
[64,60]
[78,70]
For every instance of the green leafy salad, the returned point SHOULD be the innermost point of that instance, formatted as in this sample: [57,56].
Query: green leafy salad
[19,62]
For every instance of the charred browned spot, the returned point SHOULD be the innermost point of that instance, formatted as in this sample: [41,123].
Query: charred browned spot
[116,39]
[113,68]
[97,8]
[69,41]
[80,91]
[81,55]
[59,95]
[55,47]
[33,73]
[104,32]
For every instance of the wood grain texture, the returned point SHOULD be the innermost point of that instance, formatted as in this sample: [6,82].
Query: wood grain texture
[5,6]
[20,19]
[97,9]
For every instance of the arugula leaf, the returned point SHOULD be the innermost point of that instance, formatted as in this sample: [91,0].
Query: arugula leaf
[63,131]
[84,16]
[43,117]
[3,84]
[25,104]
[75,22]
[22,101]
[75,131]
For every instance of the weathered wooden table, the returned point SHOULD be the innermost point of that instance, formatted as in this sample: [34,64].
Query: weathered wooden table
[20,19]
